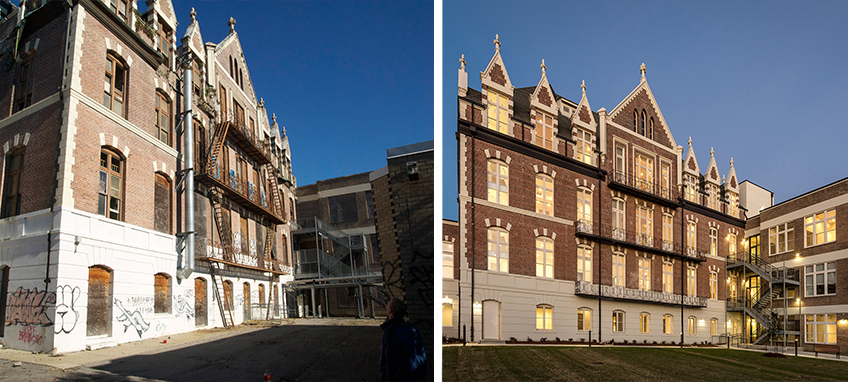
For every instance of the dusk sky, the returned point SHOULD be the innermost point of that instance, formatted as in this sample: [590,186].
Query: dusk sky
[347,79]
[761,82]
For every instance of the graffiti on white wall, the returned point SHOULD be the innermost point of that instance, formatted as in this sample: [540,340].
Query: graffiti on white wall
[184,304]
[27,307]
[66,313]
[32,335]
[133,319]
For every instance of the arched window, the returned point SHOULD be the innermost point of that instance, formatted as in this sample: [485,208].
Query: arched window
[584,264]
[261,294]
[544,195]
[544,317]
[12,184]
[584,319]
[498,182]
[651,129]
[111,185]
[713,326]
[200,317]
[228,293]
[642,124]
[498,249]
[99,301]
[618,321]
[115,85]
[161,293]
[163,117]
[692,326]
[162,204]
[544,257]
[714,285]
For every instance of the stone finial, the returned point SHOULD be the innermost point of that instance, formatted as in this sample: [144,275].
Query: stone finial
[722,179]
[193,14]
[462,62]
[583,87]
[274,118]
[711,151]
[690,142]
[232,24]
[643,69]
[731,161]
[544,68]
[497,43]
[261,102]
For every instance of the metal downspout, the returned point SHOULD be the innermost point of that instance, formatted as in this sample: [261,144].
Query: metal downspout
[188,252]
[473,257]
[683,248]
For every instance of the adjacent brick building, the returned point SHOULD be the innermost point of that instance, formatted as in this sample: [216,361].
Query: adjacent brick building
[583,223]
[93,222]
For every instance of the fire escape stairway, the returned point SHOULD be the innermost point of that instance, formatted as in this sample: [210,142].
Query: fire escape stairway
[215,145]
[271,174]
[222,223]
[269,242]
[760,309]
[221,295]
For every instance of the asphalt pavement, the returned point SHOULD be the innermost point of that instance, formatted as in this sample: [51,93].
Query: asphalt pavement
[300,350]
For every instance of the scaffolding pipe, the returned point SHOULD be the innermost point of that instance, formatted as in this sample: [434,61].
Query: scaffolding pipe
[188,252]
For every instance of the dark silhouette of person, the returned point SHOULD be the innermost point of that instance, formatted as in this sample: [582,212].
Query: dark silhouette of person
[402,355]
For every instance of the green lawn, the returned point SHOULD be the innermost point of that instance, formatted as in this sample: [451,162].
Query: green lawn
[561,363]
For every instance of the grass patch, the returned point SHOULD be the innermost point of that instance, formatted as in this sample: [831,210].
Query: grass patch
[562,363]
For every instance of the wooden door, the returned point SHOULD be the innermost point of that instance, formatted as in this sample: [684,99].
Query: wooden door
[200,318]
[99,301]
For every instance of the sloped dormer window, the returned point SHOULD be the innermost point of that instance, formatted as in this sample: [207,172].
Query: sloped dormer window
[544,131]
[498,112]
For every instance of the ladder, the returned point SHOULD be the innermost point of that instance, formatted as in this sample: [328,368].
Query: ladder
[221,294]
[215,145]
[223,224]
[275,192]
[270,230]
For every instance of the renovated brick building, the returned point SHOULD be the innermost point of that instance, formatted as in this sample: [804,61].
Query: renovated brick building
[95,225]
[793,285]
[583,223]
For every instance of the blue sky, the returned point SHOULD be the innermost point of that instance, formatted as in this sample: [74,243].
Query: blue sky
[762,82]
[348,79]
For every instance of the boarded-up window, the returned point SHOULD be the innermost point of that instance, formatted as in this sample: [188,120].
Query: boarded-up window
[261,294]
[200,302]
[342,208]
[99,301]
[161,295]
[246,291]
[228,293]
[162,205]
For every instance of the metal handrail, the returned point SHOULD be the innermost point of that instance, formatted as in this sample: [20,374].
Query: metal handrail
[633,237]
[620,292]
[652,187]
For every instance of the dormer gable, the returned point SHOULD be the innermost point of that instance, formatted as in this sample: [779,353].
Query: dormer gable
[544,114]
[164,10]
[712,175]
[583,116]
[229,52]
[732,183]
[192,39]
[543,97]
[495,76]
[497,94]
[642,98]
[690,164]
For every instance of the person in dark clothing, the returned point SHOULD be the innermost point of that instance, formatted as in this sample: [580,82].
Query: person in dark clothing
[402,355]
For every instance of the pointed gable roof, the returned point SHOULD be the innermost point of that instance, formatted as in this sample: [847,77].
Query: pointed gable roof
[712,174]
[232,40]
[192,38]
[583,115]
[165,9]
[543,96]
[690,164]
[644,87]
[732,181]
[495,74]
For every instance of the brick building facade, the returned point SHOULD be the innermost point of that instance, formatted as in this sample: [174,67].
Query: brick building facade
[93,221]
[578,222]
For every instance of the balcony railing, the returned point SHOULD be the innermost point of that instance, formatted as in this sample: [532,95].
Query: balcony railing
[245,254]
[586,288]
[633,237]
[652,187]
[240,190]
[247,140]
[789,274]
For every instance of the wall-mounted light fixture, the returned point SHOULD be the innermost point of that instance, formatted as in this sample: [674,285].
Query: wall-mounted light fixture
[412,170]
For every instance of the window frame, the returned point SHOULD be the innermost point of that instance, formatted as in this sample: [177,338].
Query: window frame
[500,109]
[618,321]
[644,172]
[543,130]
[166,308]
[692,326]
[713,326]
[813,222]
[500,259]
[583,146]
[820,320]
[114,5]
[108,174]
[23,86]
[668,277]
[584,264]
[780,238]
[691,281]
[547,317]
[644,268]
[668,324]
[713,241]
[545,194]
[811,283]
[619,264]
[619,218]
[447,313]
[497,182]
[691,236]
[112,94]
[668,231]
[584,205]
[714,285]
[644,226]
[159,113]
[584,319]
[645,322]
[447,259]
[545,257]
[12,183]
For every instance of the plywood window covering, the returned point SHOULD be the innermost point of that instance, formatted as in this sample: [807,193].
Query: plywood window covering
[224,103]
[200,318]
[99,301]
[161,293]
[162,204]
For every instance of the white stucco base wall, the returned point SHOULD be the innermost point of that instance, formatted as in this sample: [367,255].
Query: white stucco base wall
[517,297]
[56,320]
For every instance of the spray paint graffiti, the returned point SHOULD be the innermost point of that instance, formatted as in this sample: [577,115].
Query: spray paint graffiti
[184,304]
[161,327]
[27,307]
[31,335]
[68,316]
[133,319]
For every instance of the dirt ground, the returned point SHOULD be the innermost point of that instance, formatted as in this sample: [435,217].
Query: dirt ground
[326,349]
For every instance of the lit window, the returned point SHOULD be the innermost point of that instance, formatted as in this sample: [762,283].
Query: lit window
[731,288]
[821,328]
[498,112]
[644,173]
[544,257]
[584,264]
[498,182]
[583,146]
[691,242]
[644,322]
[644,226]
[691,282]
[668,277]
[544,131]
[692,321]
[447,315]
[733,204]
[618,321]
[584,319]
[668,324]
[544,317]
[731,243]
[820,279]
[668,232]
[619,162]
[712,192]
[618,269]
[644,274]
[713,285]
[12,187]
[584,206]
[713,326]
[24,90]
[618,222]
[665,174]
[111,185]
[498,250]
[161,293]
[820,228]
[713,241]
[691,188]
[447,260]
[114,85]
[163,115]
[544,195]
